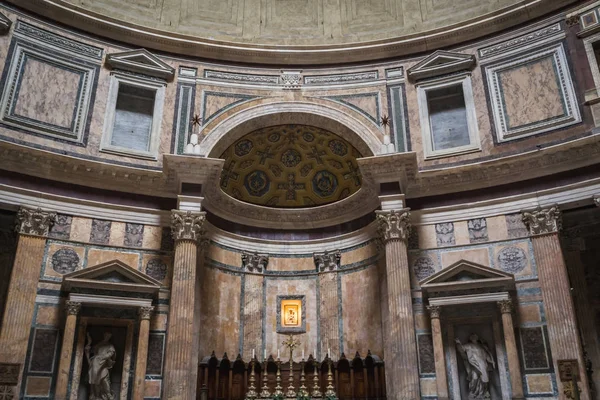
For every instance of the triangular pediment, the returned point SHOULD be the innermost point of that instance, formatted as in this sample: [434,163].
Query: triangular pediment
[141,61]
[441,63]
[466,275]
[112,275]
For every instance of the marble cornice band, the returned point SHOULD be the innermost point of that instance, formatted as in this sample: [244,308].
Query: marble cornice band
[543,220]
[188,225]
[394,225]
[34,222]
[145,312]
[73,307]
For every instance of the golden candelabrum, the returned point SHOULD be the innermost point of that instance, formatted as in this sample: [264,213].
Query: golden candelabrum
[264,393]
[251,394]
[330,391]
[316,393]
[278,388]
[303,390]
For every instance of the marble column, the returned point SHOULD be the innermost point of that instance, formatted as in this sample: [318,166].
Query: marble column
[32,226]
[441,378]
[180,371]
[514,367]
[543,225]
[66,350]
[401,372]
[142,353]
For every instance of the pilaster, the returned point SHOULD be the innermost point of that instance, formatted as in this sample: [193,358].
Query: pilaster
[66,352]
[327,265]
[514,368]
[441,378]
[543,225]
[142,353]
[402,378]
[32,227]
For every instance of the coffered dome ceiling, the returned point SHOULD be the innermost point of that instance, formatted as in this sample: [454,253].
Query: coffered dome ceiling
[290,166]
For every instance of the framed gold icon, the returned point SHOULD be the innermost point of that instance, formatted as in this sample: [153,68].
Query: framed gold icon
[290,314]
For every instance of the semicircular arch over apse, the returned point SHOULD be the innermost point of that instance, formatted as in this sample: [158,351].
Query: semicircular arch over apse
[290,166]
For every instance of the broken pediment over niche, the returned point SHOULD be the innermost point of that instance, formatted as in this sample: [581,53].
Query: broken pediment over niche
[441,63]
[466,277]
[111,276]
[141,61]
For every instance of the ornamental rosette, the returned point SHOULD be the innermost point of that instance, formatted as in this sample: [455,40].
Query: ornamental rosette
[543,220]
[394,225]
[34,222]
[187,225]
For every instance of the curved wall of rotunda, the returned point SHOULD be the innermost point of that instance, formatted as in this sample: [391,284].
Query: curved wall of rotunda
[292,167]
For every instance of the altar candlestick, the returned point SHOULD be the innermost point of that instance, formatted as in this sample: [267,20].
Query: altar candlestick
[265,354]
[303,354]
[252,353]
[328,353]
[278,354]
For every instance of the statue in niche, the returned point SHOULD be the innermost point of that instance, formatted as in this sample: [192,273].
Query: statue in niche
[477,358]
[100,363]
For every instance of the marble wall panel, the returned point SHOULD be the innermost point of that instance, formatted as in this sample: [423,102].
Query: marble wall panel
[158,322]
[476,255]
[156,347]
[49,315]
[529,313]
[152,389]
[220,313]
[61,229]
[38,386]
[445,235]
[461,233]
[117,234]
[226,256]
[134,235]
[428,387]
[497,228]
[515,226]
[81,229]
[426,357]
[295,286]
[98,256]
[291,264]
[47,93]
[358,254]
[534,348]
[252,315]
[152,237]
[43,350]
[427,236]
[100,233]
[361,312]
[539,384]
[166,241]
[478,231]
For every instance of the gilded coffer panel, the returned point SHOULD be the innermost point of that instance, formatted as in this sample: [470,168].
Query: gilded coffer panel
[532,93]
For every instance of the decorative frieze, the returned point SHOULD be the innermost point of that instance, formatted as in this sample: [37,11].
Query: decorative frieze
[328,261]
[254,262]
[73,307]
[145,312]
[341,78]
[242,78]
[187,225]
[394,224]
[543,220]
[525,40]
[34,222]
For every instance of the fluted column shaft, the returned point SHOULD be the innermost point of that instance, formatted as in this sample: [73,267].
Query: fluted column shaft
[181,374]
[514,368]
[66,352]
[441,379]
[32,226]
[142,353]
[402,377]
[562,326]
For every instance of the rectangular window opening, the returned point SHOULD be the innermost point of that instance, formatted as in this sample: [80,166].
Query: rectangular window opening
[448,117]
[134,113]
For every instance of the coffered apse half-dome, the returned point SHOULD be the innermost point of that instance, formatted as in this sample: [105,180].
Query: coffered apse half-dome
[290,166]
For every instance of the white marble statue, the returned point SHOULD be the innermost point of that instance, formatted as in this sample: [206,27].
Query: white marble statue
[477,357]
[100,363]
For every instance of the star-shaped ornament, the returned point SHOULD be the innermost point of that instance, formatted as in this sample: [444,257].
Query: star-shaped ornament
[196,120]
[385,120]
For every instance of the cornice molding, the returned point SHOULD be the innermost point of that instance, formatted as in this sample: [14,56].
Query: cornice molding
[5,24]
[162,40]
[441,63]
[141,61]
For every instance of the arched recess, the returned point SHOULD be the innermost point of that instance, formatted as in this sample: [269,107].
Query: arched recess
[261,113]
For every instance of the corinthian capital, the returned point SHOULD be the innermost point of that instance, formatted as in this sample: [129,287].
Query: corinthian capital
[187,225]
[34,221]
[596,200]
[543,220]
[73,307]
[394,224]
[505,306]
[145,312]
[327,261]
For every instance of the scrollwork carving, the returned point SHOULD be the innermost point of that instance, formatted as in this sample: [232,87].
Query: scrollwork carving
[327,261]
[543,220]
[34,221]
[254,262]
[394,225]
[187,225]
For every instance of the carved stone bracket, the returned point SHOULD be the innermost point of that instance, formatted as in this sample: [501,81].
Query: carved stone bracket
[34,222]
[505,306]
[5,24]
[291,79]
[394,224]
[434,311]
[187,225]
[596,200]
[254,262]
[543,220]
[327,261]
[73,307]
[145,312]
